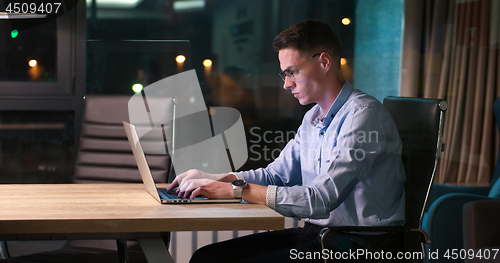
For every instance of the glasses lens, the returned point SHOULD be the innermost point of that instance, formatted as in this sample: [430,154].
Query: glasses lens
[286,73]
[282,75]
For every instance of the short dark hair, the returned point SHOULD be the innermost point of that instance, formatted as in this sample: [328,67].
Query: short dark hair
[309,36]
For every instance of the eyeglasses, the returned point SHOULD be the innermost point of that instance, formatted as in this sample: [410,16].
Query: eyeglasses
[289,73]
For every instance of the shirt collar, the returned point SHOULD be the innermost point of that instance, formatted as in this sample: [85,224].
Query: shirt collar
[344,94]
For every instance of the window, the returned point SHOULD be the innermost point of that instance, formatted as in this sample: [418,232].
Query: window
[35,56]
[236,36]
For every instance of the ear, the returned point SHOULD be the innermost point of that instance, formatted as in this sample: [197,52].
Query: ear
[326,60]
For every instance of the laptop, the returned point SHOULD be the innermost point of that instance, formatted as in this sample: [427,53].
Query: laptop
[160,194]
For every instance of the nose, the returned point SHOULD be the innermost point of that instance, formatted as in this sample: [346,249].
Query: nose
[288,84]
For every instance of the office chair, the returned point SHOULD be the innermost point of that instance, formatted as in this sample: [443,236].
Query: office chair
[420,124]
[104,156]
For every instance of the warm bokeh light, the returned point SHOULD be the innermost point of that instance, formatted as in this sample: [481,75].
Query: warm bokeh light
[346,21]
[180,59]
[137,88]
[343,61]
[32,63]
[35,71]
[207,62]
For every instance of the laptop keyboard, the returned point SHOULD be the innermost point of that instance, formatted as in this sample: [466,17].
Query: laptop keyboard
[169,194]
[164,194]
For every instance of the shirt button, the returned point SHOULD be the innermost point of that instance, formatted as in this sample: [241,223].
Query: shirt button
[321,133]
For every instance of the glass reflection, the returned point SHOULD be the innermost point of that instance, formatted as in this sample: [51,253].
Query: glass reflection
[36,147]
[20,45]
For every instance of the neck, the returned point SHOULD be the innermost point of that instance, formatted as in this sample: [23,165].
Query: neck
[331,95]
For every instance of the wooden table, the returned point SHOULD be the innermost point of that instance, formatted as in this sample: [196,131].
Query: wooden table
[117,211]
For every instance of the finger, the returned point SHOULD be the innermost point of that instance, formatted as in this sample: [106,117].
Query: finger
[182,187]
[185,176]
[173,185]
[179,192]
[178,185]
[185,186]
[181,177]
[196,192]
[193,185]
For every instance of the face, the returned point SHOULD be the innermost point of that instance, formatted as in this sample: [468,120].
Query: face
[305,87]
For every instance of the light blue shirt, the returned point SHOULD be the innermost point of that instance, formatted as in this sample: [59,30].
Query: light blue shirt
[343,170]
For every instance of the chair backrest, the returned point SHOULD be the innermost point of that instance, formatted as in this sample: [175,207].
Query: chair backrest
[420,125]
[104,153]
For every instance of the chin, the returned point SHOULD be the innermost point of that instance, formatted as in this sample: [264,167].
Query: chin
[304,102]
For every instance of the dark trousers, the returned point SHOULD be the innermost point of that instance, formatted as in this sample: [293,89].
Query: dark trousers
[291,245]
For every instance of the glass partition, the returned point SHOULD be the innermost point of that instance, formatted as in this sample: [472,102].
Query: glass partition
[36,147]
[231,51]
[126,66]
[30,54]
[35,51]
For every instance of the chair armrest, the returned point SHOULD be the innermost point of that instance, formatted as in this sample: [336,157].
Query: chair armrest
[443,221]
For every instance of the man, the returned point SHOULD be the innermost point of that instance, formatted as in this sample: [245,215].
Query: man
[342,168]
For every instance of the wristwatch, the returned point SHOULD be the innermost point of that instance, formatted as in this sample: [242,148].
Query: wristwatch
[238,186]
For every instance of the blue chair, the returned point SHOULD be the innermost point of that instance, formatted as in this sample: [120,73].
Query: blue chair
[443,221]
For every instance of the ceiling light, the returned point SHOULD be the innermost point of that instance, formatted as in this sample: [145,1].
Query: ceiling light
[207,62]
[5,15]
[115,3]
[346,21]
[180,59]
[189,5]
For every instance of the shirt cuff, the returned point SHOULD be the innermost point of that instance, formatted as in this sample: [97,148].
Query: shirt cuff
[271,196]
[238,176]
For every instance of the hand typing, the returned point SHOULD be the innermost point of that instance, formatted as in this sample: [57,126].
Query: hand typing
[191,180]
[208,188]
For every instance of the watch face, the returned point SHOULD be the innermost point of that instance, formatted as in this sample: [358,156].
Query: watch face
[239,183]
